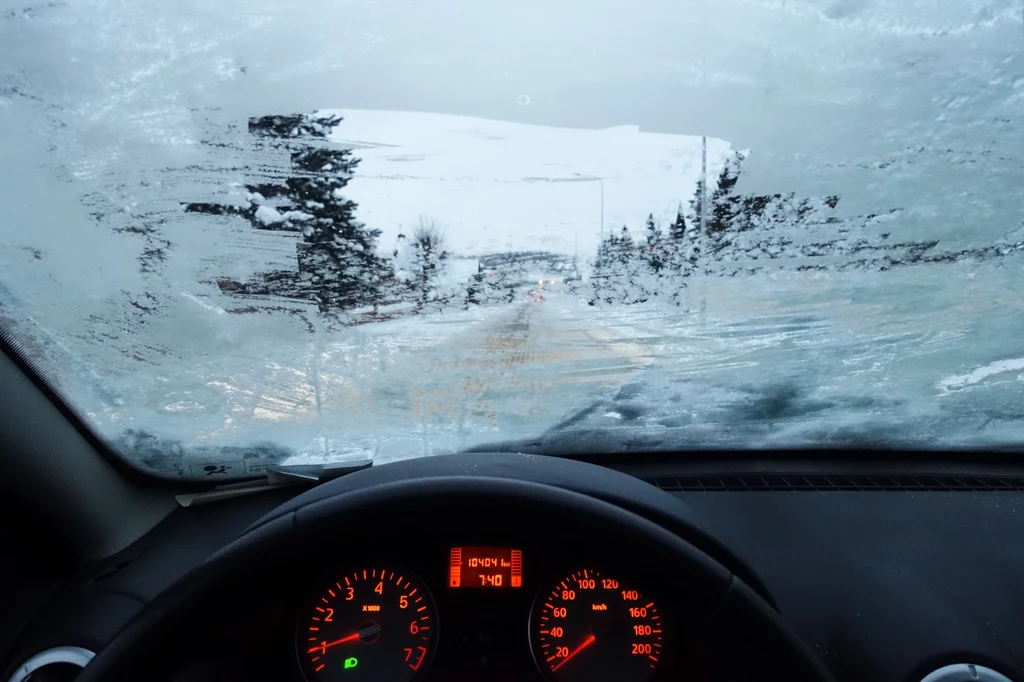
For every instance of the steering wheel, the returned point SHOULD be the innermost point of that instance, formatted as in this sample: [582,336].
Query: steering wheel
[727,603]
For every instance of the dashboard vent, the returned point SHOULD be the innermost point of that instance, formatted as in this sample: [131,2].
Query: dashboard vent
[819,482]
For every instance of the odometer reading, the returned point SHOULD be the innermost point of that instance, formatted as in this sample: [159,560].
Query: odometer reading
[371,624]
[485,567]
[589,626]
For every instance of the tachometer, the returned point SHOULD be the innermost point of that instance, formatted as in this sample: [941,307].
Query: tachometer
[368,625]
[591,627]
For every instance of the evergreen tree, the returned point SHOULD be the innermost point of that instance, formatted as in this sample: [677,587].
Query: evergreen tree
[638,280]
[604,254]
[681,246]
[622,272]
[656,255]
[624,245]
[338,265]
[725,204]
[429,259]
[677,231]
[697,205]
[475,290]
[689,256]
[624,254]
[631,270]
[338,253]
[610,266]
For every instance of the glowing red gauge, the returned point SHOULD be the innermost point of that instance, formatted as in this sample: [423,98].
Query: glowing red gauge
[589,626]
[370,624]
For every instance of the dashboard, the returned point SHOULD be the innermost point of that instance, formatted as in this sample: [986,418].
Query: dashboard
[464,568]
[459,597]
[886,584]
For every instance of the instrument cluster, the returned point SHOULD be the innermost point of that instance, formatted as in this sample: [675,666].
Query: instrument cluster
[484,612]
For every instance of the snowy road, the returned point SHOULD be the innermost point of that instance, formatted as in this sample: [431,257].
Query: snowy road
[524,367]
[514,373]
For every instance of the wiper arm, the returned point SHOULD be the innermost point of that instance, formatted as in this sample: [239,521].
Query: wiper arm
[295,474]
[278,476]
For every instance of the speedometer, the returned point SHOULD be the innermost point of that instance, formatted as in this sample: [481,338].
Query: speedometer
[372,624]
[589,626]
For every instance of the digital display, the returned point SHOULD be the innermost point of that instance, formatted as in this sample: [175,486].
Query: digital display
[485,567]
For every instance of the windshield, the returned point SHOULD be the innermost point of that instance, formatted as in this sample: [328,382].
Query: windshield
[245,233]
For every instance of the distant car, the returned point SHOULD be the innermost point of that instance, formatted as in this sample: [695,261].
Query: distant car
[534,296]
[540,269]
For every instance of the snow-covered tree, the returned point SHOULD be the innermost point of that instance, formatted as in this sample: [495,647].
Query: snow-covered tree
[402,259]
[428,260]
[338,253]
[622,274]
[682,249]
[622,254]
[338,265]
[607,268]
[604,253]
[725,203]
[677,230]
[697,205]
[656,252]
[292,126]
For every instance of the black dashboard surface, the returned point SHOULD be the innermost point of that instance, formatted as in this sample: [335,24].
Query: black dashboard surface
[887,585]
[883,585]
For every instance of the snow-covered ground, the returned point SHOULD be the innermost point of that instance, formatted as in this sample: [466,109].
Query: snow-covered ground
[499,186]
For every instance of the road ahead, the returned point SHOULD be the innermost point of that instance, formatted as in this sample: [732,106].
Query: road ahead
[513,374]
[522,370]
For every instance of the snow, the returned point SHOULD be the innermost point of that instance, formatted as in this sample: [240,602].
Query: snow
[979,374]
[268,215]
[485,180]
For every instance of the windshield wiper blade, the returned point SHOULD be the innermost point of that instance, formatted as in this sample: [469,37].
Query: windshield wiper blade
[294,474]
[278,476]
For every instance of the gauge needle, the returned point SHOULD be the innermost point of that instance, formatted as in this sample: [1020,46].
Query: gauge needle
[368,631]
[587,642]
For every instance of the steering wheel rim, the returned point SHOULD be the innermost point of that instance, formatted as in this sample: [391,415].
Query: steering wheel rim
[732,611]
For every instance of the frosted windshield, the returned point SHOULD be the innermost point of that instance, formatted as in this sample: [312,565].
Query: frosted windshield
[238,234]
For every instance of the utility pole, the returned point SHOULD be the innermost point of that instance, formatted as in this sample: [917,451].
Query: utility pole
[703,182]
[703,213]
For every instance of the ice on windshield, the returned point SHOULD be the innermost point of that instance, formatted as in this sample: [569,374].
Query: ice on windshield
[251,233]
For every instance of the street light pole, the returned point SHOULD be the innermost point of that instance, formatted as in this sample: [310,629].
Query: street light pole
[703,182]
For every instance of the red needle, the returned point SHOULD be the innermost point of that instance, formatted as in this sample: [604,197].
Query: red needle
[587,642]
[325,645]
